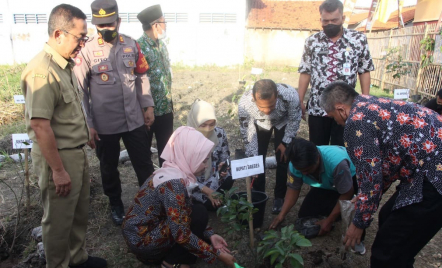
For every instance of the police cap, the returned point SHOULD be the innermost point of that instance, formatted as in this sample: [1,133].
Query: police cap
[150,14]
[104,11]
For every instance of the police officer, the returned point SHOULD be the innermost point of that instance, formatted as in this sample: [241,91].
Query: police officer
[57,125]
[111,70]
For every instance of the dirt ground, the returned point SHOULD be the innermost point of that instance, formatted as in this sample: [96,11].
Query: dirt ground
[105,240]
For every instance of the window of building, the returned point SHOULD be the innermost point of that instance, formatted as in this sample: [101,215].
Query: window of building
[176,17]
[30,18]
[217,18]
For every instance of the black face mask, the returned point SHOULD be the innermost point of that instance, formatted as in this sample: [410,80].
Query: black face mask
[108,35]
[332,30]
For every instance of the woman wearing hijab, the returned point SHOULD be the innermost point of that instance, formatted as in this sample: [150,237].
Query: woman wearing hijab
[202,118]
[162,225]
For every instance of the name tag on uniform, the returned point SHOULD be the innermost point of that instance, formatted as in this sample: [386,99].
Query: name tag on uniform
[346,69]
[323,52]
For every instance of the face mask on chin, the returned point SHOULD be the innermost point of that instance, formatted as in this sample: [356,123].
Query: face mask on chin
[332,30]
[162,35]
[108,35]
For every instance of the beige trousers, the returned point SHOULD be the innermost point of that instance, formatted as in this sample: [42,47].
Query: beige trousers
[65,219]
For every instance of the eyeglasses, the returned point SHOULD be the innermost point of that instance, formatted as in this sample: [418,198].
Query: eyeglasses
[79,39]
[165,22]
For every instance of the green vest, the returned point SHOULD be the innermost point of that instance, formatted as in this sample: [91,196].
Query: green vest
[331,156]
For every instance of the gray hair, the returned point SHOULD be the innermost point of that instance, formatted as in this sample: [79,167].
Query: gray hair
[337,92]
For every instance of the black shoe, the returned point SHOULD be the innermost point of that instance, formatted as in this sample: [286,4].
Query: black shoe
[117,214]
[277,205]
[92,262]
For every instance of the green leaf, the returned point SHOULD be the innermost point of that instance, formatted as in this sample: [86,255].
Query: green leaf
[279,265]
[303,242]
[295,264]
[297,257]
[270,252]
[274,257]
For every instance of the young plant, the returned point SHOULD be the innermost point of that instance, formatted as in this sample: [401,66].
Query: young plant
[280,247]
[397,66]
[427,46]
[236,211]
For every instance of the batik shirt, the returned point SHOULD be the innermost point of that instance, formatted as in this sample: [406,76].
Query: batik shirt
[324,61]
[159,73]
[286,113]
[389,140]
[220,154]
[159,218]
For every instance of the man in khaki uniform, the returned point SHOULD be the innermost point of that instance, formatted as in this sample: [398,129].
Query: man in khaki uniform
[111,70]
[57,125]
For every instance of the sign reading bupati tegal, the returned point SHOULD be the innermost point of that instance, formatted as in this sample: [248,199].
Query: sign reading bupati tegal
[21,141]
[247,167]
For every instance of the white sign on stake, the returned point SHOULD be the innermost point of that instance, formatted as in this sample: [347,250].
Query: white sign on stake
[19,99]
[242,168]
[19,140]
[256,71]
[400,94]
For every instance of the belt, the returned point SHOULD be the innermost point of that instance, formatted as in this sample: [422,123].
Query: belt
[78,147]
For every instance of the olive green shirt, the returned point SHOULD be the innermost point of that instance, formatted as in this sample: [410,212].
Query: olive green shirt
[51,92]
[159,73]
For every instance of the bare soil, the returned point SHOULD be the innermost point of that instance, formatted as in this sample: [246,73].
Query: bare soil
[104,239]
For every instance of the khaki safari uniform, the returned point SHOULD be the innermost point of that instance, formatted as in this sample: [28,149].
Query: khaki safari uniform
[51,92]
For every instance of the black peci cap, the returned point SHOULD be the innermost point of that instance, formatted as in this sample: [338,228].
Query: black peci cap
[104,11]
[148,15]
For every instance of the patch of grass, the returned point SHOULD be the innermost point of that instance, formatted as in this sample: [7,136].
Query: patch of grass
[10,81]
[375,91]
[30,248]
[11,128]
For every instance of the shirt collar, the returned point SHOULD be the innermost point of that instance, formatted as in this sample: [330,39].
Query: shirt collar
[149,40]
[62,62]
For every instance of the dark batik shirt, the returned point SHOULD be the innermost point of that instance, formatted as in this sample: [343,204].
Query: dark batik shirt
[160,218]
[324,61]
[389,140]
[286,113]
[220,154]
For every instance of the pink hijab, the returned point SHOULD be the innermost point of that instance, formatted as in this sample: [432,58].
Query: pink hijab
[185,151]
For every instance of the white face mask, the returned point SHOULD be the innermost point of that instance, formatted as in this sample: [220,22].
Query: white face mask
[162,35]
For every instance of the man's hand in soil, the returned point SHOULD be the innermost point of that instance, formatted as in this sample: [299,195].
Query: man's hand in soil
[62,182]
[276,221]
[326,226]
[353,236]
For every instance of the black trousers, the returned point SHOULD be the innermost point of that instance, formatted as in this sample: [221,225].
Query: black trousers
[321,202]
[108,152]
[325,131]
[162,127]
[227,185]
[405,231]
[259,184]
[199,220]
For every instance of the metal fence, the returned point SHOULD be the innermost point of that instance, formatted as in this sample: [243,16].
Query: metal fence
[407,40]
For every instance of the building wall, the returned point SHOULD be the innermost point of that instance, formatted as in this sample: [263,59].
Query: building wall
[191,42]
[275,47]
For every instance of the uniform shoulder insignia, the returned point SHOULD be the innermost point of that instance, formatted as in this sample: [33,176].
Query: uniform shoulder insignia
[39,76]
[142,65]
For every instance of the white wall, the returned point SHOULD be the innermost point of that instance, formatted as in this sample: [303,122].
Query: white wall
[275,47]
[191,43]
